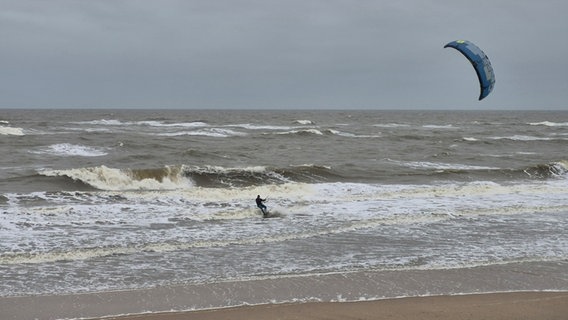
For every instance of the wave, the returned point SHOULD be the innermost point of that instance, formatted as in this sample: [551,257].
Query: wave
[549,170]
[190,176]
[105,178]
[303,132]
[436,126]
[549,124]
[184,177]
[527,138]
[208,132]
[304,122]
[249,126]
[540,171]
[114,122]
[441,166]
[391,125]
[217,176]
[11,131]
[67,149]
[324,132]
[194,124]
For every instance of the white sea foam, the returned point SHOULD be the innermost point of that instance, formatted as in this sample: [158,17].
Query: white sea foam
[104,122]
[208,132]
[11,131]
[304,122]
[195,124]
[549,124]
[250,126]
[150,123]
[559,168]
[67,149]
[519,137]
[391,125]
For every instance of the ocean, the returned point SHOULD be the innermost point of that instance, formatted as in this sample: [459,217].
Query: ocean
[106,201]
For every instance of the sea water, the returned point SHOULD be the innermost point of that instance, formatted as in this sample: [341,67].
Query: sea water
[113,200]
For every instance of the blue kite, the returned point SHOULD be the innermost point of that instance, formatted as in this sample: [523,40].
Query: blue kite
[480,63]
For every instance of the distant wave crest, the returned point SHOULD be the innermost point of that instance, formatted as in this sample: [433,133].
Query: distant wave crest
[67,149]
[11,131]
[549,124]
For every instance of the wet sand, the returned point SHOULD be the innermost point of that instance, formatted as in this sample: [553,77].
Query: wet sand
[529,291]
[502,306]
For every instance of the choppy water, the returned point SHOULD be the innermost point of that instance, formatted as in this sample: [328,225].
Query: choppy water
[110,200]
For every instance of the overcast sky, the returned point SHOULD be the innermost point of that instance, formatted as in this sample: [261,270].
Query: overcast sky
[266,54]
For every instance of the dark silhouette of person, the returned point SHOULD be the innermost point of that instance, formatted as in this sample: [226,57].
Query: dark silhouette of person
[261,206]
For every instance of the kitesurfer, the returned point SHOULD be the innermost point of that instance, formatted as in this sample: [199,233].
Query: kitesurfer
[260,205]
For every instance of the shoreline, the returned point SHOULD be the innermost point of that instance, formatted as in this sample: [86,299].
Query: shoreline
[488,306]
[536,278]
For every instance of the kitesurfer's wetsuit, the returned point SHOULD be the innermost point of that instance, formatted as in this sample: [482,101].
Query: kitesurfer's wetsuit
[260,205]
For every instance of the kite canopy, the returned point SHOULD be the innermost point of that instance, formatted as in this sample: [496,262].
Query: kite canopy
[480,63]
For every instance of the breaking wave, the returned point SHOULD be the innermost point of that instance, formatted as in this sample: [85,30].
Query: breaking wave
[183,177]
[550,170]
[11,131]
[105,178]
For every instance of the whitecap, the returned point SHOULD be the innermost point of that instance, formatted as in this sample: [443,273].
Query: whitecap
[208,132]
[11,131]
[67,149]
[304,122]
[549,124]
[104,122]
[390,125]
[195,124]
[249,126]
[519,137]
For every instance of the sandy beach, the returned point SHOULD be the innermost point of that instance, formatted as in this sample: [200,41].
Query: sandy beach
[515,291]
[502,306]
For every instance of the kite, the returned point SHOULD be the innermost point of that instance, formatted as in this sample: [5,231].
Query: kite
[480,63]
